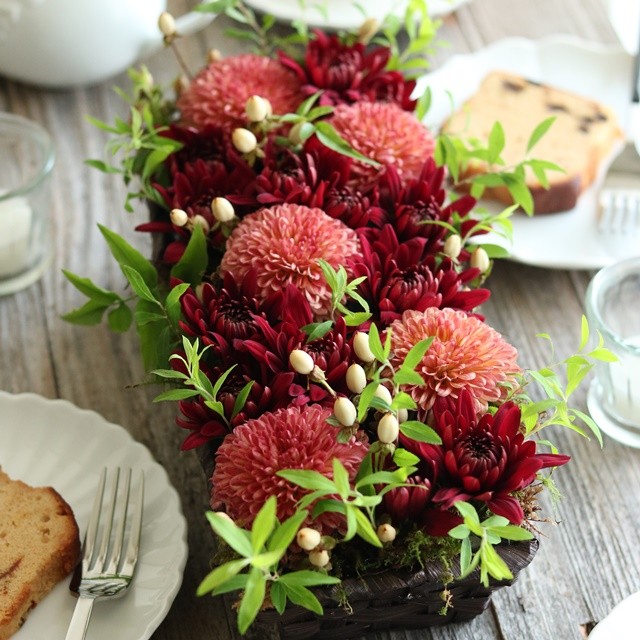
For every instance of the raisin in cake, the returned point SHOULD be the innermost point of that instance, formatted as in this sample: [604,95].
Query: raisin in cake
[582,136]
[39,546]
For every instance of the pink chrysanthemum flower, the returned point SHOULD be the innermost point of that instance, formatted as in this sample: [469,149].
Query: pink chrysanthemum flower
[218,94]
[465,353]
[283,245]
[385,133]
[293,438]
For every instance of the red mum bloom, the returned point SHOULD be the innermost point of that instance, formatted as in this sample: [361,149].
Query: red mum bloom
[465,353]
[347,73]
[218,94]
[249,458]
[403,276]
[487,458]
[385,133]
[283,244]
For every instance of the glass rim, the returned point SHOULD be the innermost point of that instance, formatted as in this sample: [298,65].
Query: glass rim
[595,289]
[36,132]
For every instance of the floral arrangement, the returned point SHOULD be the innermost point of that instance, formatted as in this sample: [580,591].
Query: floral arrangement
[314,305]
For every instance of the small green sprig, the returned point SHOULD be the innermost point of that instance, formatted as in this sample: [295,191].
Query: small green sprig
[357,503]
[136,147]
[196,383]
[456,153]
[259,553]
[554,408]
[341,291]
[489,532]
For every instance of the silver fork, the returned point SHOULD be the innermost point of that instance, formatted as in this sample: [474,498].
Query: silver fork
[105,571]
[619,198]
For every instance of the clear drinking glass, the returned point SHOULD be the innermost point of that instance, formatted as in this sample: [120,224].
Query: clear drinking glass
[613,308]
[26,159]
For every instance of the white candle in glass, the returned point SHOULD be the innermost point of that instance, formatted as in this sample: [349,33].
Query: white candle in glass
[15,226]
[625,383]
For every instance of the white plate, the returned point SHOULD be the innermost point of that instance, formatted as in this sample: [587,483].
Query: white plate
[567,240]
[621,623]
[54,443]
[343,14]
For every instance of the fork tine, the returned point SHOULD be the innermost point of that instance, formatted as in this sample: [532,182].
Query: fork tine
[92,527]
[133,547]
[121,518]
[107,524]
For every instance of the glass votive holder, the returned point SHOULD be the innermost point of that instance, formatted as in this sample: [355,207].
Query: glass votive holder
[27,157]
[613,309]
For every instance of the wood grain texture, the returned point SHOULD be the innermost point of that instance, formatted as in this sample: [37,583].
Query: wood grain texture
[586,564]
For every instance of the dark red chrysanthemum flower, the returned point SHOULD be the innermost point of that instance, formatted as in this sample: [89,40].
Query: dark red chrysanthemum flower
[347,73]
[418,203]
[270,347]
[408,503]
[484,458]
[218,94]
[248,460]
[403,275]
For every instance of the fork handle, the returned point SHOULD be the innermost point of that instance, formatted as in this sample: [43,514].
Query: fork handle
[80,620]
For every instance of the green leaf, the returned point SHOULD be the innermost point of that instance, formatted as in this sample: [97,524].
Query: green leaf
[510,532]
[356,319]
[460,532]
[236,583]
[539,131]
[375,344]
[172,303]
[127,256]
[139,285]
[465,556]
[404,458]
[365,399]
[221,574]
[341,478]
[278,596]
[91,290]
[332,140]
[194,260]
[285,533]
[496,143]
[317,330]
[403,400]
[90,313]
[120,318]
[176,394]
[252,599]
[406,376]
[241,399]
[263,524]
[305,578]
[303,597]
[416,354]
[155,338]
[383,477]
[467,511]
[310,480]
[233,535]
[169,373]
[365,529]
[419,432]
[424,103]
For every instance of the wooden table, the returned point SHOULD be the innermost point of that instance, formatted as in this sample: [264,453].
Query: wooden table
[586,564]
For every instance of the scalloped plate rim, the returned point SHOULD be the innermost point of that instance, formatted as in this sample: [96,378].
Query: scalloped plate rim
[51,617]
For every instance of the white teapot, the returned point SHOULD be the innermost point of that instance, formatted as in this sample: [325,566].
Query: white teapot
[64,43]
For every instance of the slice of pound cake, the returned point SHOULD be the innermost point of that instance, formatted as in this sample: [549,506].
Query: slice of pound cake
[584,133]
[39,546]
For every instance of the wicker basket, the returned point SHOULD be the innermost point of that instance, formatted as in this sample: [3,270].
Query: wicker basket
[399,599]
[392,599]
